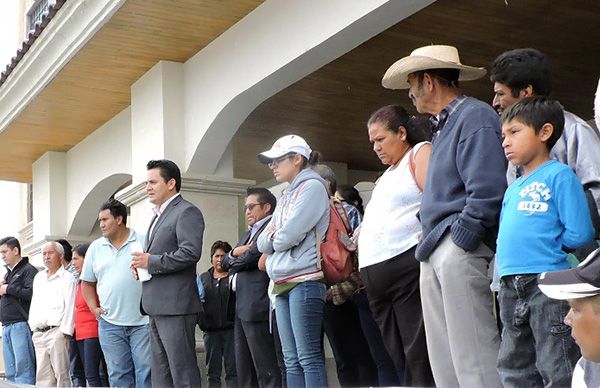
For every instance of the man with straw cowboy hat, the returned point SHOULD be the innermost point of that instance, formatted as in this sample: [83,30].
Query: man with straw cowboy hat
[459,215]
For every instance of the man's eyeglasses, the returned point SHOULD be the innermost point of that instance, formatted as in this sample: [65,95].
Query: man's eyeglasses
[251,206]
[280,159]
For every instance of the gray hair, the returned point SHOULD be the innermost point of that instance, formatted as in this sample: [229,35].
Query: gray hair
[328,175]
[59,248]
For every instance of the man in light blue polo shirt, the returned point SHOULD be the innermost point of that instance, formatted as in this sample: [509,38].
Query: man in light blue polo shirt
[106,276]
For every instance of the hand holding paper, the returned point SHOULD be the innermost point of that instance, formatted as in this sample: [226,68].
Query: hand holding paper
[139,261]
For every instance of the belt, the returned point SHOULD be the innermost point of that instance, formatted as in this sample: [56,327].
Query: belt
[44,329]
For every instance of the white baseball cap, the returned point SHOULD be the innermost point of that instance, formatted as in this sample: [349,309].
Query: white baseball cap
[285,145]
[579,282]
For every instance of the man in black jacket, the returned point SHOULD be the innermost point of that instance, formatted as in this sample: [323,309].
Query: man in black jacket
[254,346]
[15,297]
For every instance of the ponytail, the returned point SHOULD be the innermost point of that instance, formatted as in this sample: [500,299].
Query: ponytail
[313,159]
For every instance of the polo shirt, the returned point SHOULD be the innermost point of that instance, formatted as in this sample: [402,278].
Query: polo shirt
[119,293]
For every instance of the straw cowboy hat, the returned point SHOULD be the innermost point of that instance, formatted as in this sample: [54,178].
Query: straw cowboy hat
[425,58]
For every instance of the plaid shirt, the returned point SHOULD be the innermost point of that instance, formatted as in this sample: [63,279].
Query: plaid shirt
[440,120]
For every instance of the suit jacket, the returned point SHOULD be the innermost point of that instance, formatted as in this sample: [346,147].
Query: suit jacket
[251,299]
[175,247]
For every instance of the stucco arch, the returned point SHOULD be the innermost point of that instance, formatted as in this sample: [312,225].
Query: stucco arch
[230,83]
[87,213]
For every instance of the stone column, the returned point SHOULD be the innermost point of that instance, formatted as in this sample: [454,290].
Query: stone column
[157,118]
[49,203]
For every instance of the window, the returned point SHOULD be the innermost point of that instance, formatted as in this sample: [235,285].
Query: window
[37,12]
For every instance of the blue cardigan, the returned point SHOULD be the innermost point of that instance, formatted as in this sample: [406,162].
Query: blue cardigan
[466,180]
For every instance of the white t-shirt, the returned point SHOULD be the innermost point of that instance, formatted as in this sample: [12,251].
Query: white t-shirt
[390,225]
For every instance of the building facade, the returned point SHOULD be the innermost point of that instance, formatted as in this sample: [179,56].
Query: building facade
[107,85]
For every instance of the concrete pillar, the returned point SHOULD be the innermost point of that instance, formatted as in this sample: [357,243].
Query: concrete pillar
[49,203]
[49,195]
[157,118]
[157,131]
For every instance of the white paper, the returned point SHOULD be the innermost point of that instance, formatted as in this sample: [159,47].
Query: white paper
[142,273]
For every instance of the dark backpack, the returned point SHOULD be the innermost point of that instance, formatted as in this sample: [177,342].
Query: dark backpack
[335,255]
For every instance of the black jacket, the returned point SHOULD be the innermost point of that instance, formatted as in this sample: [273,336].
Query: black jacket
[252,299]
[217,309]
[14,305]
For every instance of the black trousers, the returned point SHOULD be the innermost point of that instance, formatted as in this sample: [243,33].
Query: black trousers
[91,355]
[389,375]
[393,292]
[219,349]
[354,364]
[173,349]
[255,357]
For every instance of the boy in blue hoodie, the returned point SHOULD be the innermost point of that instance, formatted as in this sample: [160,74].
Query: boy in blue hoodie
[544,216]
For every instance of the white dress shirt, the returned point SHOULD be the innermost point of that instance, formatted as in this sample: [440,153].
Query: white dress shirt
[257,225]
[158,210]
[53,301]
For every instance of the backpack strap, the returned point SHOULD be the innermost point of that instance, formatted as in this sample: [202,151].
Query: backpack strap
[339,207]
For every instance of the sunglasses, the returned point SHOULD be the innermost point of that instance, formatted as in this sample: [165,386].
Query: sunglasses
[251,206]
[276,161]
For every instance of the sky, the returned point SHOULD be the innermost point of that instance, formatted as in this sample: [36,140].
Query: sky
[9,191]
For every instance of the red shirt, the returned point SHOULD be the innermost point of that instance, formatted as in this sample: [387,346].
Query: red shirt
[86,324]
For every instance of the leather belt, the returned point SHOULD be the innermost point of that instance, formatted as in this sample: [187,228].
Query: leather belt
[44,329]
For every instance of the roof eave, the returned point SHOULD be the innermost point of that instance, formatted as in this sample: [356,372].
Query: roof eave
[57,43]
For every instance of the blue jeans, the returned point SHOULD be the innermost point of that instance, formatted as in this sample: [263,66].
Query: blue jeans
[76,365]
[537,348]
[387,373]
[299,321]
[127,353]
[219,350]
[19,356]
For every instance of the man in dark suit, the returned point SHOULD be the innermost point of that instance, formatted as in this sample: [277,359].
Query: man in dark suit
[170,296]
[255,357]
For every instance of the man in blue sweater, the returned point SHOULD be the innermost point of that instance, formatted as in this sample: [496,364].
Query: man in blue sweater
[459,216]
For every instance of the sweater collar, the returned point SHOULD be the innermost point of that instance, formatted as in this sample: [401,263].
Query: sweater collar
[438,122]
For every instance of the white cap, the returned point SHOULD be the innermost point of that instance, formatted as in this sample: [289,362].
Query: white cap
[285,145]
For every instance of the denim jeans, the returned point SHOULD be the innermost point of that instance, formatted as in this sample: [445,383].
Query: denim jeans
[90,354]
[536,348]
[219,350]
[19,356]
[387,373]
[76,365]
[299,321]
[127,353]
[354,364]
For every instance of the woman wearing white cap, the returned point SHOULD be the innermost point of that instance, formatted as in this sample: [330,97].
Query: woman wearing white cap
[290,241]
